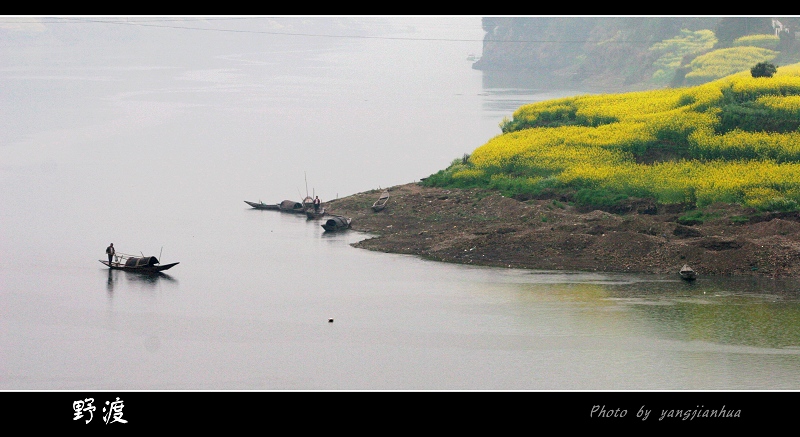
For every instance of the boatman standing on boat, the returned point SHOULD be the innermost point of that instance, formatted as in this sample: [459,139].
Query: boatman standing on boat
[316,203]
[110,251]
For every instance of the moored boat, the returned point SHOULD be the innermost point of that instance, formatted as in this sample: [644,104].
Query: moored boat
[291,206]
[337,223]
[380,204]
[688,273]
[262,205]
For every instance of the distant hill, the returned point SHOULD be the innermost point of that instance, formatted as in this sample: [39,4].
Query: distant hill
[637,52]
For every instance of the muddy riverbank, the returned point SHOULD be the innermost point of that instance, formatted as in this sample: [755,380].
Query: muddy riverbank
[484,228]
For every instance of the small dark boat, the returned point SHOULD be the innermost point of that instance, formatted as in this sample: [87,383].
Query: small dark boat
[262,205]
[312,214]
[687,273]
[381,202]
[337,223]
[142,264]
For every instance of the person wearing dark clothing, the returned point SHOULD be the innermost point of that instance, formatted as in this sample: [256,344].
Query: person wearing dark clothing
[110,252]
[316,204]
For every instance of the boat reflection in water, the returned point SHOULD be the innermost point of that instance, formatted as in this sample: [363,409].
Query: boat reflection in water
[152,278]
[148,280]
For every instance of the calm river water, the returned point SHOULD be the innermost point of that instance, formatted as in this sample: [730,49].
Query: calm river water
[152,136]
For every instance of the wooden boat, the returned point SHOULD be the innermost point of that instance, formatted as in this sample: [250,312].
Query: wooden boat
[311,214]
[687,273]
[381,202]
[285,206]
[132,263]
[262,205]
[337,223]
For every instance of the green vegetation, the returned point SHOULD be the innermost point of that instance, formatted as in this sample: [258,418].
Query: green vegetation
[724,62]
[695,217]
[697,57]
[763,69]
[639,51]
[732,140]
[673,50]
[766,41]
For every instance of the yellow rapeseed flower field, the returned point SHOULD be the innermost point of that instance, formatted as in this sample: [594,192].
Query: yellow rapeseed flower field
[674,145]
[723,62]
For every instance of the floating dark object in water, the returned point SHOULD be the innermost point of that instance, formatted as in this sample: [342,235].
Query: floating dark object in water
[142,264]
[337,223]
[687,273]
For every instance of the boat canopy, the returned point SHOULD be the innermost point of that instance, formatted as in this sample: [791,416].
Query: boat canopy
[141,261]
[336,222]
[291,204]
